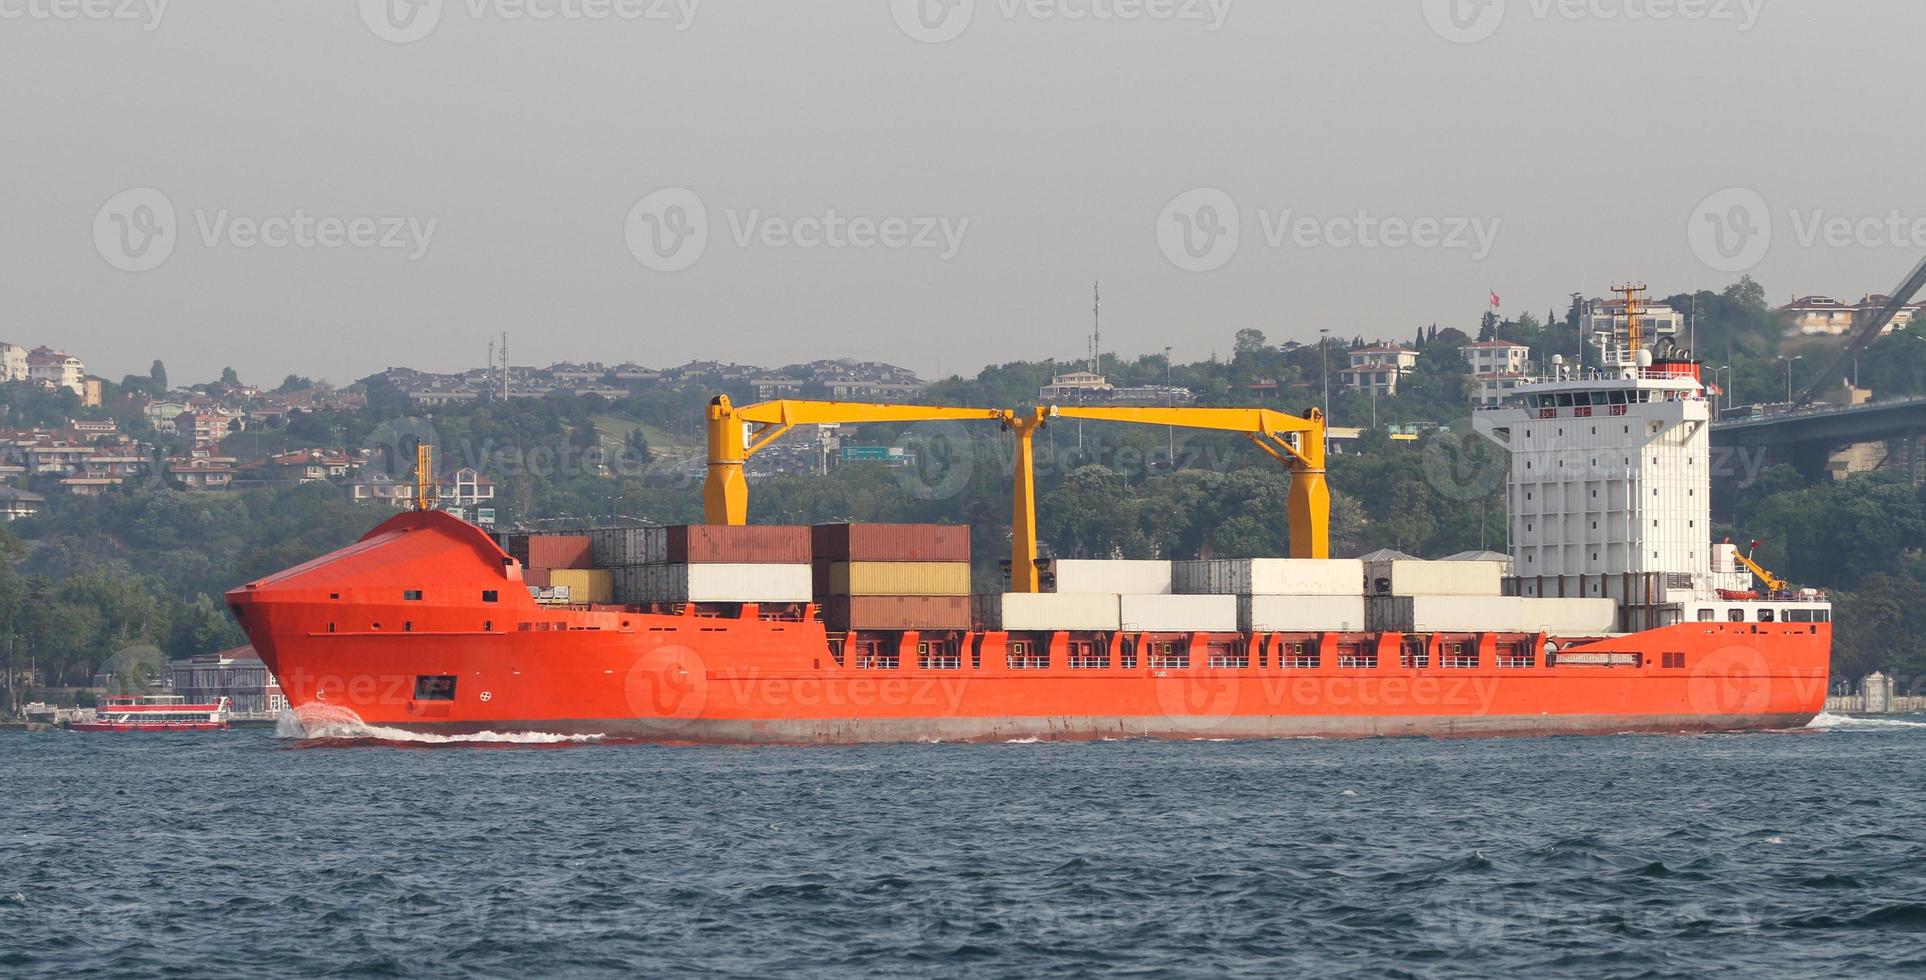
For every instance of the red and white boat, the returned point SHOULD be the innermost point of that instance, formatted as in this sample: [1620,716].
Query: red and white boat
[155,713]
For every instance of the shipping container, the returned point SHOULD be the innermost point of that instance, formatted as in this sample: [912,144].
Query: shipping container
[700,544]
[1270,576]
[1178,613]
[1440,578]
[899,578]
[889,612]
[891,542]
[713,583]
[536,578]
[1097,575]
[616,547]
[1570,616]
[1037,611]
[554,551]
[585,584]
[1300,613]
[720,544]
[1489,615]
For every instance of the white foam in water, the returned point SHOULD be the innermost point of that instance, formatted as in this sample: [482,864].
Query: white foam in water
[314,721]
[1827,719]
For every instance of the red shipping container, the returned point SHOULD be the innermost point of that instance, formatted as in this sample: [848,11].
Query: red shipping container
[699,544]
[896,612]
[535,577]
[557,551]
[891,542]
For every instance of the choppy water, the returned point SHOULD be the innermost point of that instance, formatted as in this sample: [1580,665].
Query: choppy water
[241,853]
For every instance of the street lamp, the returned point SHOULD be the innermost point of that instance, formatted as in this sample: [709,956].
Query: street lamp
[1789,360]
[1730,377]
[1170,398]
[1324,360]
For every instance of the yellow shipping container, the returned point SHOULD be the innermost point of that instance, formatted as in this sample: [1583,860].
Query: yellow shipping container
[899,578]
[585,584]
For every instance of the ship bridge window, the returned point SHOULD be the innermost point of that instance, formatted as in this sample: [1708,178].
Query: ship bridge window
[1705,615]
[1735,615]
[1799,616]
[1765,615]
[1616,397]
[411,595]
[490,595]
[1565,399]
[1822,615]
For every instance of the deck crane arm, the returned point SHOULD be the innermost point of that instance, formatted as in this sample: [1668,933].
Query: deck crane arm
[1773,583]
[735,434]
[1310,498]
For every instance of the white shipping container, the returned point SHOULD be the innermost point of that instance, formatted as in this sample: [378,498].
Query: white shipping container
[1114,577]
[1436,578]
[1570,616]
[1271,576]
[1046,611]
[1178,613]
[1300,613]
[718,583]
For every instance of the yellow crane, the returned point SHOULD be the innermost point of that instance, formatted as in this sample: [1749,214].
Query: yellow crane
[1271,431]
[1773,583]
[735,434]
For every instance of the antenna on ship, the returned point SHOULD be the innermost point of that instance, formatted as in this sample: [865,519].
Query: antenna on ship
[504,365]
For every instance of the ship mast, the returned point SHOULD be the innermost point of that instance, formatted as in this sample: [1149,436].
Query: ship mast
[1634,294]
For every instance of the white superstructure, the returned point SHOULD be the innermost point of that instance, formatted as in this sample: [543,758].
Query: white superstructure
[1609,495]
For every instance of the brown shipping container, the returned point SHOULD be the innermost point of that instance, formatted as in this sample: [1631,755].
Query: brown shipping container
[706,544]
[556,551]
[892,542]
[537,577]
[897,612]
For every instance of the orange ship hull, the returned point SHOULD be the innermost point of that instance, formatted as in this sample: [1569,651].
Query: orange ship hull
[425,625]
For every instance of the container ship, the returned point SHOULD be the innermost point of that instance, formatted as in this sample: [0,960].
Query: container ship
[1614,611]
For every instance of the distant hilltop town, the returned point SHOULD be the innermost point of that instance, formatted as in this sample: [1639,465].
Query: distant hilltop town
[842,380]
[186,437]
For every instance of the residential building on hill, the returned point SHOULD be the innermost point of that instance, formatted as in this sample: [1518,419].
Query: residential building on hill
[1378,369]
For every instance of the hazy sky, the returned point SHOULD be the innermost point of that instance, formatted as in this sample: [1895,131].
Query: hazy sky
[636,179]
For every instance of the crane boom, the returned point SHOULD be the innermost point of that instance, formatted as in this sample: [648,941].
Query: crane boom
[1310,497]
[1866,333]
[735,434]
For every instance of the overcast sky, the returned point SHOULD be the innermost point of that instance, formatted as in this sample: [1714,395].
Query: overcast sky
[642,181]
